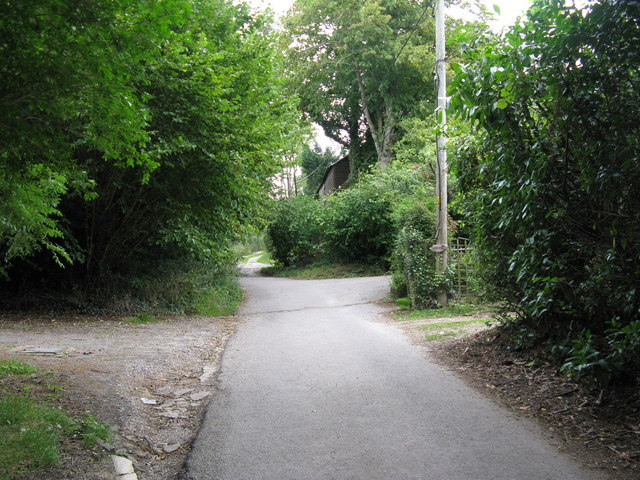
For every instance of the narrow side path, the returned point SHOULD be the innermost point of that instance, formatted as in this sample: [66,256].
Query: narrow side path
[314,386]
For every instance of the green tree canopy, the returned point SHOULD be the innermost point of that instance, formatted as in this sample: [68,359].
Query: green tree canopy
[358,67]
[143,135]
[68,80]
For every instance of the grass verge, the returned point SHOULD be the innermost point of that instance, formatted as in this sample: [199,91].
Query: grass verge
[453,310]
[34,434]
[436,331]
[220,299]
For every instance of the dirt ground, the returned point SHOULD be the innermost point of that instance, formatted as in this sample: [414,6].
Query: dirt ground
[150,382]
[601,431]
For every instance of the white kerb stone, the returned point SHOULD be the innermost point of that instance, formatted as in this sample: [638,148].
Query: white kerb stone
[122,465]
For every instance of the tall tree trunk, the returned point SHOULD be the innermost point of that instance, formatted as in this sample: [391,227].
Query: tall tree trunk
[381,127]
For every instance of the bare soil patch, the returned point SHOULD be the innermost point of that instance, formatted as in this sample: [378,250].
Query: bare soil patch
[600,430]
[150,382]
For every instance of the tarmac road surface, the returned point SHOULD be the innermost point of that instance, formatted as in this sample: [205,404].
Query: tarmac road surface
[315,386]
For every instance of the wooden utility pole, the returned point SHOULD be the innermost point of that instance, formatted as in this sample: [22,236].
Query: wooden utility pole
[442,238]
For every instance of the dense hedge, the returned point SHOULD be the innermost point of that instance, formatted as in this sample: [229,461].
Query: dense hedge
[553,179]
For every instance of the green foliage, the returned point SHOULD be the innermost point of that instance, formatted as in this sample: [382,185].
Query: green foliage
[323,269]
[29,212]
[252,242]
[403,302]
[416,263]
[295,232]
[357,224]
[138,140]
[186,287]
[388,216]
[413,263]
[358,67]
[583,360]
[15,367]
[600,360]
[68,82]
[550,180]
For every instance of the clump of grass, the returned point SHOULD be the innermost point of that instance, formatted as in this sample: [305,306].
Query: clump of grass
[31,435]
[403,303]
[453,310]
[141,318]
[220,299]
[93,431]
[15,367]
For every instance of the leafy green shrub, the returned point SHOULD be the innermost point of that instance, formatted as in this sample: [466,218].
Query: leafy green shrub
[295,232]
[602,359]
[403,302]
[551,180]
[358,224]
[398,287]
[583,360]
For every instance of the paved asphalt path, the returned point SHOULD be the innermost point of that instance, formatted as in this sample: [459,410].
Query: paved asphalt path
[314,385]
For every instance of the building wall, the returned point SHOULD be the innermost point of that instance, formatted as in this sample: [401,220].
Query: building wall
[336,176]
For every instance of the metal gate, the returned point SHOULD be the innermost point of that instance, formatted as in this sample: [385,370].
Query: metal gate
[463,265]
